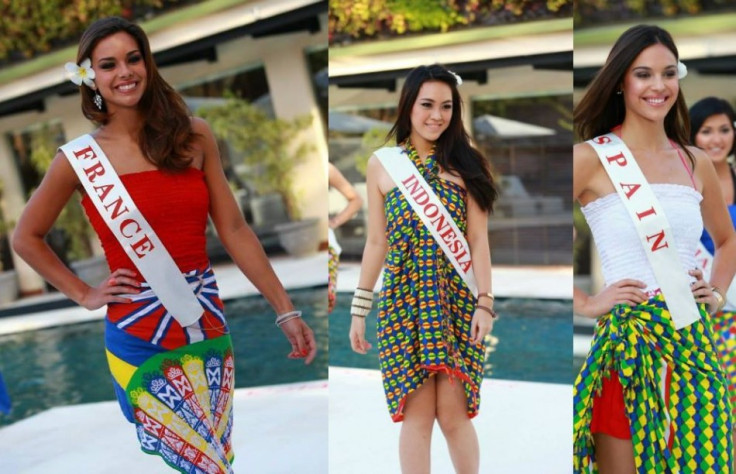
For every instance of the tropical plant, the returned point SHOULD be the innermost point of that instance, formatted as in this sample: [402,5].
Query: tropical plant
[371,141]
[71,220]
[271,147]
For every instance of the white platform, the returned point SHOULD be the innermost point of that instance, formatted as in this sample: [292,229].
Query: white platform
[523,427]
[280,429]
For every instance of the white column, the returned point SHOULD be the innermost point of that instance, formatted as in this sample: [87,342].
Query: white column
[292,94]
[14,200]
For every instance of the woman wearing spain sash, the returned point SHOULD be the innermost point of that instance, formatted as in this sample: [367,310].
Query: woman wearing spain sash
[651,396]
[149,177]
[428,204]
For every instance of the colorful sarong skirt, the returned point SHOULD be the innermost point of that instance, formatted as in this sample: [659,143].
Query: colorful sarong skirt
[175,383]
[724,329]
[675,391]
[332,264]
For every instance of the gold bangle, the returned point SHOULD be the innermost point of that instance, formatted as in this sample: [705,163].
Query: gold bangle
[487,294]
[719,297]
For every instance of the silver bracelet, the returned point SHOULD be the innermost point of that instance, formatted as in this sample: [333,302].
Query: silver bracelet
[282,318]
[362,303]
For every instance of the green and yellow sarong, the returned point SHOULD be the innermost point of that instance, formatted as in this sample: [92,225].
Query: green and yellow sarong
[675,391]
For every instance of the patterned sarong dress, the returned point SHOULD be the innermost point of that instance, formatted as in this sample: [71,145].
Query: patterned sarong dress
[424,308]
[724,322]
[174,383]
[675,392]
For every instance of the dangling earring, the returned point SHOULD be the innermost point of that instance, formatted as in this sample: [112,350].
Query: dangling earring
[97,99]
[619,92]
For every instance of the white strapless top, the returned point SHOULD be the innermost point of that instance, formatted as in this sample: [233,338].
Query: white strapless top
[622,255]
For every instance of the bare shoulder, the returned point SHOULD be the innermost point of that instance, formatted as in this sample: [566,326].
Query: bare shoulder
[200,125]
[61,171]
[584,154]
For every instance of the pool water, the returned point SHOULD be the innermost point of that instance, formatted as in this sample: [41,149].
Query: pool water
[530,341]
[66,365]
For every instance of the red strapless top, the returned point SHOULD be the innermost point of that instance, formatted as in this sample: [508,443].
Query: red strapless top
[174,204]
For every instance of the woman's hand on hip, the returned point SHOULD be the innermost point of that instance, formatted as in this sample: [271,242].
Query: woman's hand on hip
[301,337]
[702,290]
[480,326]
[120,282]
[627,291]
[357,336]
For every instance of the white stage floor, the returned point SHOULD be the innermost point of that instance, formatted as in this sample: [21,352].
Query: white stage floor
[280,429]
[523,427]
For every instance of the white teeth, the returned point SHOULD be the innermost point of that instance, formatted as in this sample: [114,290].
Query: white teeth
[655,101]
[127,87]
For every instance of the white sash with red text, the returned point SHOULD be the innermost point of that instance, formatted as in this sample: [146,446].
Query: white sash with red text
[705,262]
[652,226]
[430,210]
[140,242]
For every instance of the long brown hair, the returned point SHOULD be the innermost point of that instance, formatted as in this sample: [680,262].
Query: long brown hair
[602,109]
[453,150]
[166,136]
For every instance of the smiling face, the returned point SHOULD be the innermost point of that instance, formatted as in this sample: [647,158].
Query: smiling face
[120,71]
[431,113]
[650,86]
[716,136]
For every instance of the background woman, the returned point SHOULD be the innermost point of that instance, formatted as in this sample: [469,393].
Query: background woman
[337,180]
[169,164]
[649,397]
[431,329]
[712,129]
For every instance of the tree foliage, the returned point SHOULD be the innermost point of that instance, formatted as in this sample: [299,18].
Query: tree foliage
[367,18]
[271,147]
[591,12]
[28,28]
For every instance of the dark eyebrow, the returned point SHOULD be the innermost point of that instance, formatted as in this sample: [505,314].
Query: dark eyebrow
[111,58]
[432,100]
[647,68]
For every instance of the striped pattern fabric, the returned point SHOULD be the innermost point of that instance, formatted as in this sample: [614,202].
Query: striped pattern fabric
[175,383]
[147,319]
[425,308]
[675,392]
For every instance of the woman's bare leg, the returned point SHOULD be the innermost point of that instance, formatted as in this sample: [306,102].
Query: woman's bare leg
[416,429]
[614,455]
[459,431]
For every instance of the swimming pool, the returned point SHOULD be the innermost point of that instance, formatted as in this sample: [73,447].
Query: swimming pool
[66,365]
[531,341]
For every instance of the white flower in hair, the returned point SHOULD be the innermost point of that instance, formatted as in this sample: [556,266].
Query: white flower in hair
[82,73]
[681,70]
[458,79]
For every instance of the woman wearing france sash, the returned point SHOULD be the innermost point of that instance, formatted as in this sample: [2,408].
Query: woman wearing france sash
[651,396]
[149,177]
[425,198]
[712,122]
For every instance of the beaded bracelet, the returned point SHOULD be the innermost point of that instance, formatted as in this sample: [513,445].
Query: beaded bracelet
[489,310]
[282,318]
[362,303]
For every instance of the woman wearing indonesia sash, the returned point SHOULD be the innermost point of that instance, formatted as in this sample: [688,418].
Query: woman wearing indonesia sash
[651,395]
[431,327]
[152,174]
[712,122]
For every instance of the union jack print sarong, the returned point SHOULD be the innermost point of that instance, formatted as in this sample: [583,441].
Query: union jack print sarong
[175,383]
